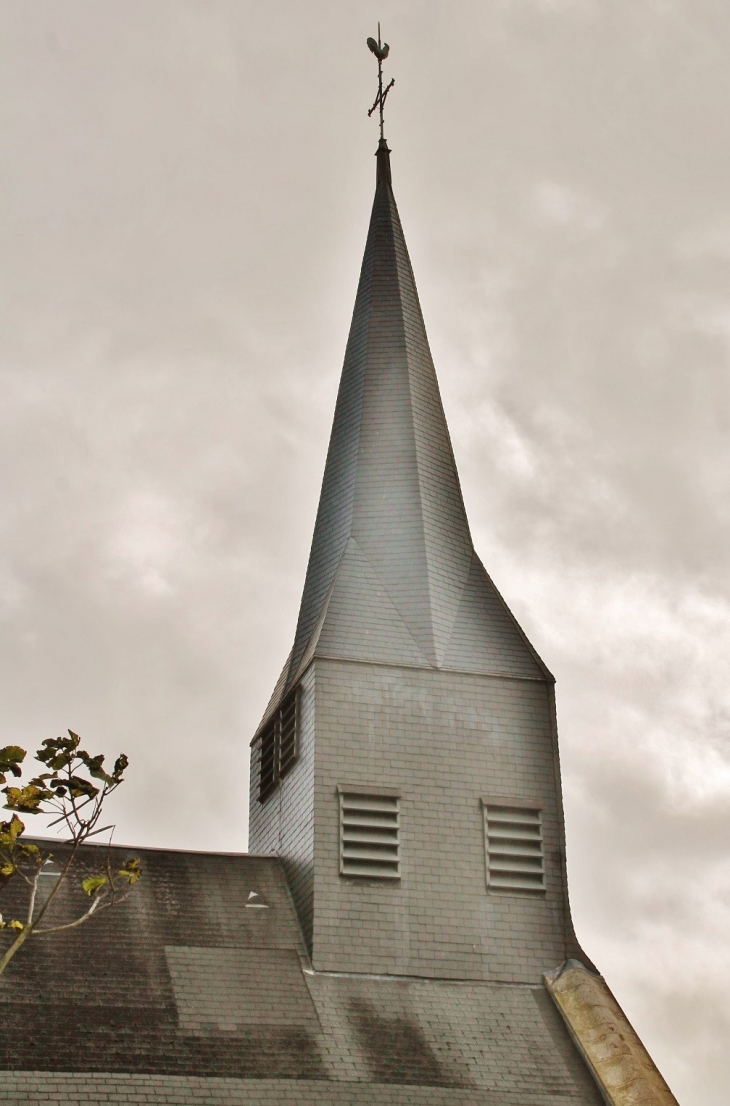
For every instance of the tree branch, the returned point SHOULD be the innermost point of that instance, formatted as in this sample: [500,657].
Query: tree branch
[33,893]
[95,907]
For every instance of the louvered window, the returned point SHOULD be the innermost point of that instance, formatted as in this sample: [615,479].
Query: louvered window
[269,759]
[514,848]
[369,835]
[279,744]
[288,733]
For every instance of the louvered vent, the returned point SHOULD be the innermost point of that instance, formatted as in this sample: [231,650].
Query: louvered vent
[369,836]
[269,759]
[279,745]
[288,733]
[514,848]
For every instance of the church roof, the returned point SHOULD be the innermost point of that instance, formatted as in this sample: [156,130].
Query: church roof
[393,576]
[198,989]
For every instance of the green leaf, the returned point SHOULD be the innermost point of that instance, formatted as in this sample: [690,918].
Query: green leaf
[40,781]
[10,757]
[120,766]
[94,767]
[26,799]
[53,756]
[132,870]
[92,884]
[62,760]
[11,831]
[79,786]
[59,750]
[14,924]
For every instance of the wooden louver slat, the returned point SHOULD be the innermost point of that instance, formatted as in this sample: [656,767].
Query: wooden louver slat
[288,731]
[513,838]
[369,836]
[279,745]
[269,760]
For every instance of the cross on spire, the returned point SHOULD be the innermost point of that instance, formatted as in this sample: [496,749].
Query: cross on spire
[381,51]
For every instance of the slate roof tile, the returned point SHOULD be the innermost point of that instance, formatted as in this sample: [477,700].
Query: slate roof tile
[391,486]
[184,994]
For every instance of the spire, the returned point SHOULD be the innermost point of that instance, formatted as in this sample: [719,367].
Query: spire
[393,577]
[383,155]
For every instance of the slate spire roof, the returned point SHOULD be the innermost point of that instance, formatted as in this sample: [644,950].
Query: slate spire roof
[393,577]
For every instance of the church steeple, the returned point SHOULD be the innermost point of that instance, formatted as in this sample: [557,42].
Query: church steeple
[393,576]
[405,770]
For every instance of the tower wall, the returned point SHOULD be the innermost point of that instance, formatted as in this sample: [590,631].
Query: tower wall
[284,824]
[445,741]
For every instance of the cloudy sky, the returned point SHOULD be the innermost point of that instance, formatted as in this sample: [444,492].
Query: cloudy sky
[185,190]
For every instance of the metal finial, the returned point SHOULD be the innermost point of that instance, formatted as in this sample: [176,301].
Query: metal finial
[381,51]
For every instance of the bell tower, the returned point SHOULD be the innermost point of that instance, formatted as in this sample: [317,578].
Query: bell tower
[406,770]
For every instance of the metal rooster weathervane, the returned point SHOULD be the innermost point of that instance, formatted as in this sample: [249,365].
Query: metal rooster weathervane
[381,51]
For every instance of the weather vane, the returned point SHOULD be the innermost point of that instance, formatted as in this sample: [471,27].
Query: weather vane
[381,51]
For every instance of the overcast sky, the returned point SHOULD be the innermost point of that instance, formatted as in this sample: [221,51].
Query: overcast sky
[186,187]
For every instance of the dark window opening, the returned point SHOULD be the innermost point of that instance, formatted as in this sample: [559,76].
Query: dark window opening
[279,745]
